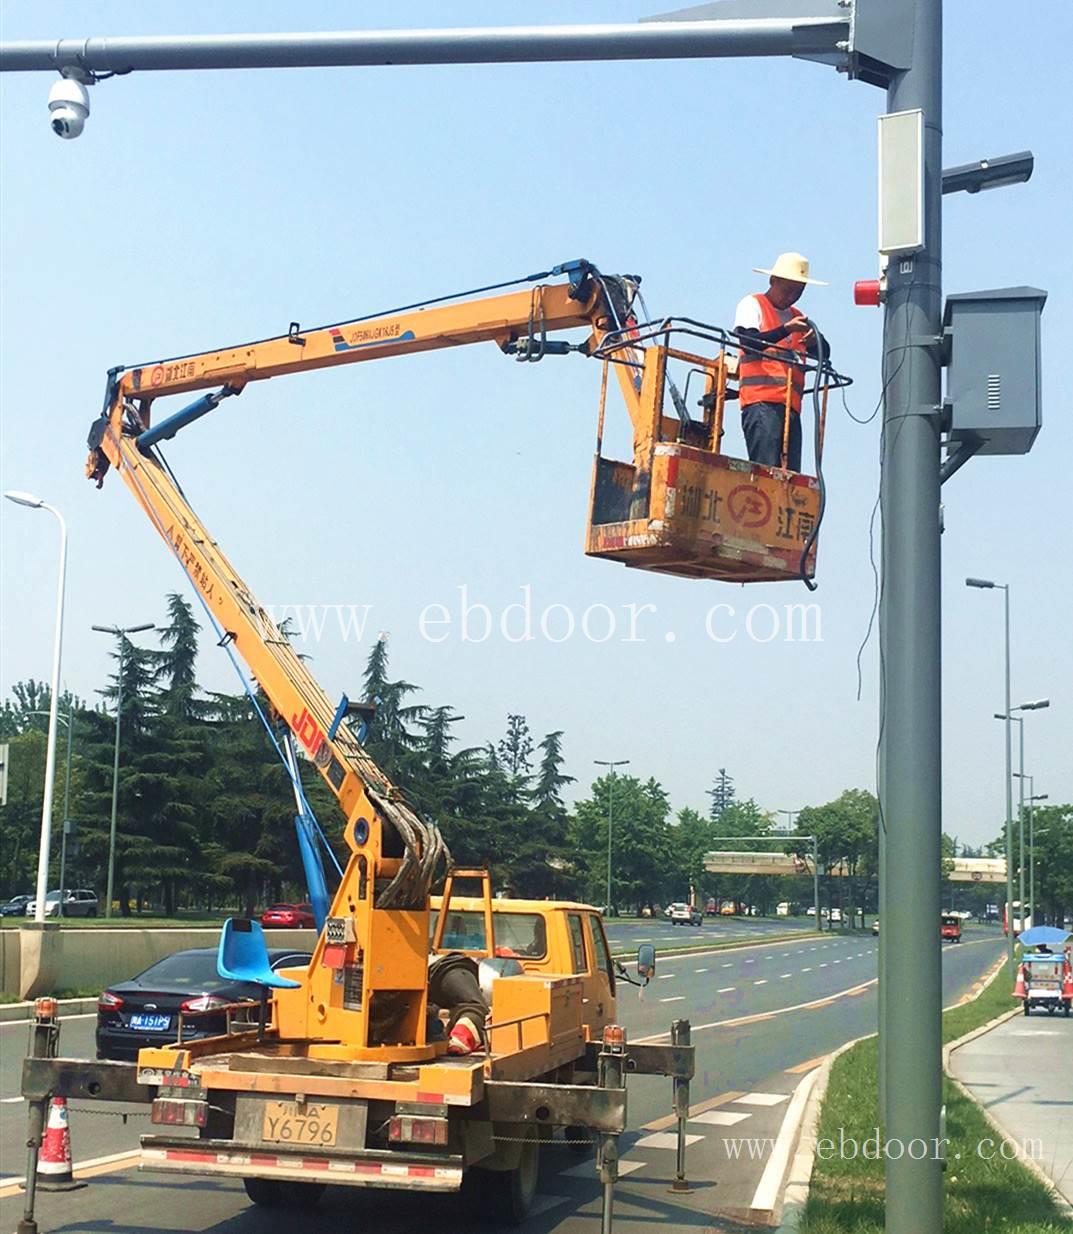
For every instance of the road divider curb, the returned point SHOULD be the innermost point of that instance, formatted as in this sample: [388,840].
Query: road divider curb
[24,1012]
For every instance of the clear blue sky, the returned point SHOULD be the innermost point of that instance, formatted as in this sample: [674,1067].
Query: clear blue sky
[200,209]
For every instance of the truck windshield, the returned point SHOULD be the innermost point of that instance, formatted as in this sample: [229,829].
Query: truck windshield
[521,933]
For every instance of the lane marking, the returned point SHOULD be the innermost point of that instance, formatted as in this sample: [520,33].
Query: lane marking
[665,1139]
[806,970]
[762,981]
[665,976]
[824,964]
[811,1065]
[720,1118]
[767,1099]
[768,1015]
[9,1100]
[700,970]
[727,989]
[668,1120]
[678,998]
[750,961]
[728,965]
[82,1015]
[766,1195]
[82,1169]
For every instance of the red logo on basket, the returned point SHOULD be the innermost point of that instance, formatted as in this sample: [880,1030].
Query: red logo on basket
[749,506]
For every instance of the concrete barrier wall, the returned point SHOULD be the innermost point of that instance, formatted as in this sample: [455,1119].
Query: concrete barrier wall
[90,959]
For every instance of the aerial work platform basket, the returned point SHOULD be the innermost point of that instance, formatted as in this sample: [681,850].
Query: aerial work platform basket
[682,506]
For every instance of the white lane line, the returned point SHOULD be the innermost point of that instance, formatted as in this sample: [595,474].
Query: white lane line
[718,1118]
[678,998]
[750,961]
[783,976]
[767,1099]
[584,1170]
[806,970]
[132,1154]
[82,1015]
[728,965]
[727,989]
[9,1100]
[767,1192]
[824,964]
[762,981]
[700,970]
[663,1139]
[836,961]
[665,976]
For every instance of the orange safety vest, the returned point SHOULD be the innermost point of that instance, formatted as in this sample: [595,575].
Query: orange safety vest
[762,375]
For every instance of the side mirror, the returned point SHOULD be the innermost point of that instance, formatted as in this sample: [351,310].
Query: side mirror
[646,962]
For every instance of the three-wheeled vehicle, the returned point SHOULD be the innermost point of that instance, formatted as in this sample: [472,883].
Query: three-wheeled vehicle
[1047,970]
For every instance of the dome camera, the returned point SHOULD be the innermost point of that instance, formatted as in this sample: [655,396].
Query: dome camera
[68,107]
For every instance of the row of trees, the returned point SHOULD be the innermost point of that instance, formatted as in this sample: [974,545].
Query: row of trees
[205,810]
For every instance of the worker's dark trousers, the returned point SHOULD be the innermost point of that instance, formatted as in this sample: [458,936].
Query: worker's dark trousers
[762,424]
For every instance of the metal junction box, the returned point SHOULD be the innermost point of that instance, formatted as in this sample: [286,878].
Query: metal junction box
[992,347]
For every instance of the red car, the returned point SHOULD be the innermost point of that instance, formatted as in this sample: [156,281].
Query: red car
[288,917]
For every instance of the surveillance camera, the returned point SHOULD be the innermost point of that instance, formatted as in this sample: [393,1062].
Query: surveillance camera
[68,107]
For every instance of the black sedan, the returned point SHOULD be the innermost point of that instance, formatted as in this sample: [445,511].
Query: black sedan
[15,907]
[144,1011]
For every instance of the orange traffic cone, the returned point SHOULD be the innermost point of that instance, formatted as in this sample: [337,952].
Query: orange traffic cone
[1067,981]
[1019,984]
[54,1160]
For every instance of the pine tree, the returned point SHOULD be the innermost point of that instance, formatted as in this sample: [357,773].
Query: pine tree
[176,665]
[391,736]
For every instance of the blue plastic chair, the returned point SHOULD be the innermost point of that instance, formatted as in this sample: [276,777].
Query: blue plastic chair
[243,956]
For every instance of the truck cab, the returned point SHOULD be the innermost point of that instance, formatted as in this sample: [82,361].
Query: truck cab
[548,938]
[950,928]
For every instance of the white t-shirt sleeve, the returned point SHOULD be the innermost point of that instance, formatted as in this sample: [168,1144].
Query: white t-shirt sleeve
[747,314]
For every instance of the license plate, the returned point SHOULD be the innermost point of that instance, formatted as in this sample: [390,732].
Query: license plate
[155,1023]
[285,1122]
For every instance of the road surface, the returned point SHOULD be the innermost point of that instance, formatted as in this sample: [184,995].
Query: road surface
[762,1017]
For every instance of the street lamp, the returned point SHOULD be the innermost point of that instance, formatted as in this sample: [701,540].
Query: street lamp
[1032,796]
[120,632]
[621,762]
[987,583]
[35,503]
[994,173]
[1037,705]
[70,722]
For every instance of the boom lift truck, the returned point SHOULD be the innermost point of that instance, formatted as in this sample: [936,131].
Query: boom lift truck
[350,1073]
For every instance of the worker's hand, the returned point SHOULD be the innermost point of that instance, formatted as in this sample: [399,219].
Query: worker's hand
[798,325]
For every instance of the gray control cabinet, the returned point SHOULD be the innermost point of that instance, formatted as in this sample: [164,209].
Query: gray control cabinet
[992,348]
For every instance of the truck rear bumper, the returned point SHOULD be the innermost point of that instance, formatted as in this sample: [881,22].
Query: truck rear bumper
[225,1158]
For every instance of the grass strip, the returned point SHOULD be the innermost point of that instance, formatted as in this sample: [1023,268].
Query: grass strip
[984,1193]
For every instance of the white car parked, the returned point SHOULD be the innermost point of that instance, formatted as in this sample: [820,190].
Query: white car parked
[78,903]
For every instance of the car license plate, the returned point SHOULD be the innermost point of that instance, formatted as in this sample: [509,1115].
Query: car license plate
[154,1023]
[287,1123]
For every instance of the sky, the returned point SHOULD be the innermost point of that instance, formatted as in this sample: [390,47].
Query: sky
[200,209]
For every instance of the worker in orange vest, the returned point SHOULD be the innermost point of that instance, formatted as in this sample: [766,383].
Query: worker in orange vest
[769,318]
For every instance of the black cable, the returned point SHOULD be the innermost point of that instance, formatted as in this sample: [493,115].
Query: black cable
[823,369]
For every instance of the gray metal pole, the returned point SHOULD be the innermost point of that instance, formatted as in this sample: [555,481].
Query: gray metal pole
[816,881]
[66,804]
[610,815]
[1032,843]
[1021,824]
[1009,797]
[490,45]
[912,671]
[115,781]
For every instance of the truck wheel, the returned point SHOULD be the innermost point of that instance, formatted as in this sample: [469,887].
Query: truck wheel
[507,1195]
[282,1193]
[1026,1006]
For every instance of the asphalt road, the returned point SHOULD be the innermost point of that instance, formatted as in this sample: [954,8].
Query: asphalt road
[762,1017]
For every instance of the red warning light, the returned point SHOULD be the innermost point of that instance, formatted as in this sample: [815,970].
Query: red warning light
[866,291]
